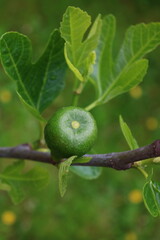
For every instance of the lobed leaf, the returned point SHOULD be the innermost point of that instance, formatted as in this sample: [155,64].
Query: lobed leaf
[127,79]
[77,50]
[139,40]
[102,73]
[38,84]
[114,77]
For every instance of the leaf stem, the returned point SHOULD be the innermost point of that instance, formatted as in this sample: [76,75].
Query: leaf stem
[92,105]
[75,100]
[77,92]
[75,97]
[141,169]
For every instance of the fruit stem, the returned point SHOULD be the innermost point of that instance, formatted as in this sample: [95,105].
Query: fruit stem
[41,132]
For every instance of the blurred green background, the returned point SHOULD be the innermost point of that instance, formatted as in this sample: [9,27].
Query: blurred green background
[110,207]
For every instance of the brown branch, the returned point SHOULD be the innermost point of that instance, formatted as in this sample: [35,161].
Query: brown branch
[117,160]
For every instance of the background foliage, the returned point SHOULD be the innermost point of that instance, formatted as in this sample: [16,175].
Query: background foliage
[106,208]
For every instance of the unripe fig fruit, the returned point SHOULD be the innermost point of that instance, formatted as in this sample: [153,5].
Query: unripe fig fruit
[71,131]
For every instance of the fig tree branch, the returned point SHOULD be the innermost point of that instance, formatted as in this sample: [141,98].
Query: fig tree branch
[117,160]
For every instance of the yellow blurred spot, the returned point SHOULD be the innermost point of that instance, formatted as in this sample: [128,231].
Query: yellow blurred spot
[151,123]
[5,96]
[136,92]
[130,236]
[135,196]
[8,217]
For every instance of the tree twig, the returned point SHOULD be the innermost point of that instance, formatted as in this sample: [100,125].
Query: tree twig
[116,160]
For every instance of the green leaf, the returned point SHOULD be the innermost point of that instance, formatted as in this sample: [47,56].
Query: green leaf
[151,196]
[20,182]
[139,40]
[102,73]
[4,186]
[86,172]
[38,84]
[128,134]
[78,52]
[114,77]
[127,79]
[63,174]
[156,186]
